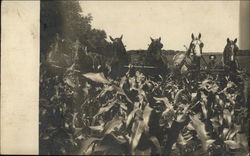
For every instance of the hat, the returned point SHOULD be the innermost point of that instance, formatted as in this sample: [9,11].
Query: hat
[212,57]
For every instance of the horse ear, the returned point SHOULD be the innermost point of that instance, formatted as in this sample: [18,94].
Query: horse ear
[111,38]
[235,40]
[192,36]
[160,39]
[228,40]
[199,36]
[121,36]
[151,39]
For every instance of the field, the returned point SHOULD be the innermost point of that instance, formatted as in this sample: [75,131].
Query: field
[90,113]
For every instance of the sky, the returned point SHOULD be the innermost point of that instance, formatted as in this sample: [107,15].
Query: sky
[173,21]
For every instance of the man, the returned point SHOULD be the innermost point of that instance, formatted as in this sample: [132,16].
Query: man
[212,62]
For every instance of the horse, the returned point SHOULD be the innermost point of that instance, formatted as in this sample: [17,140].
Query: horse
[118,48]
[154,58]
[229,53]
[120,58]
[112,60]
[110,64]
[190,60]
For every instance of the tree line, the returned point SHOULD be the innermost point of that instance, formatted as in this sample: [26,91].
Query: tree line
[65,19]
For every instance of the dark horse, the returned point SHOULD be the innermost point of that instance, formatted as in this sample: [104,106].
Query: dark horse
[155,59]
[190,60]
[120,58]
[110,62]
[229,54]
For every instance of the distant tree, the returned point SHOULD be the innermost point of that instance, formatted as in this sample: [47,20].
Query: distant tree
[95,40]
[65,18]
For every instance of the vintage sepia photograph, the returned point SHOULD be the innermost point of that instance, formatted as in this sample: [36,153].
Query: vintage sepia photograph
[144,78]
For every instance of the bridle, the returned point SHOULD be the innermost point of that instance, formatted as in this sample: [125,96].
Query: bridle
[233,48]
[196,47]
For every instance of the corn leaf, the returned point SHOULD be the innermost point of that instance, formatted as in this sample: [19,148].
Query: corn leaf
[131,116]
[156,143]
[96,77]
[201,132]
[116,122]
[98,128]
[232,144]
[105,108]
[137,130]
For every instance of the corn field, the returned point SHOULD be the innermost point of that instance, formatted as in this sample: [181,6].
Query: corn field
[90,113]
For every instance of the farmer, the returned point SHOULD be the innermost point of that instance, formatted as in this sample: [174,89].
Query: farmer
[212,62]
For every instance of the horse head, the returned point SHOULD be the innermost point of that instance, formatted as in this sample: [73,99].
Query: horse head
[196,46]
[118,47]
[230,50]
[190,59]
[155,47]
